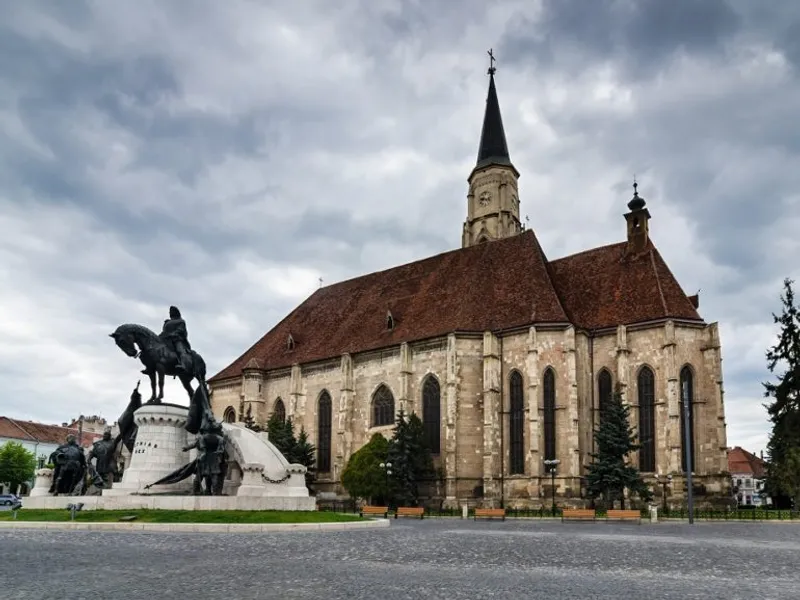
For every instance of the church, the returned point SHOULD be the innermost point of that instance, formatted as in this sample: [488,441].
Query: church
[506,355]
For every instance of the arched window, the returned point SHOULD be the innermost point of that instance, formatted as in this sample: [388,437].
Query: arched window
[604,392]
[517,425]
[324,421]
[382,407]
[431,413]
[687,393]
[280,410]
[549,393]
[647,420]
[229,416]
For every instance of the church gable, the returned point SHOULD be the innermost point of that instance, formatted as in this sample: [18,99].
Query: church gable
[607,286]
[493,286]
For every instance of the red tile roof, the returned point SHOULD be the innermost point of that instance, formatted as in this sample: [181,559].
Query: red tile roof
[742,461]
[605,287]
[497,285]
[42,433]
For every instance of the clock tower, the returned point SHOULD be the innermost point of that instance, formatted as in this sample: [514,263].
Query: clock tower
[493,200]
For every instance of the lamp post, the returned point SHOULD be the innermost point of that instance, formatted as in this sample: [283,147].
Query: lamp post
[551,466]
[387,469]
[664,482]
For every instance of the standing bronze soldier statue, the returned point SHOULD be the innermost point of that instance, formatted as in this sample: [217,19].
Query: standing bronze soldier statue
[104,453]
[70,467]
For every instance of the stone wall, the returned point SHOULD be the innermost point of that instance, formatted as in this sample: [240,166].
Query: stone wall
[473,373]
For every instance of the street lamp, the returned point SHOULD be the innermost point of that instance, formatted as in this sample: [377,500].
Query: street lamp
[664,482]
[387,469]
[551,466]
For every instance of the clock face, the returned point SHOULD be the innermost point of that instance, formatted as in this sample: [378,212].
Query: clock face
[486,197]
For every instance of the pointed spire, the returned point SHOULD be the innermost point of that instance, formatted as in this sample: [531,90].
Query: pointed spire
[493,149]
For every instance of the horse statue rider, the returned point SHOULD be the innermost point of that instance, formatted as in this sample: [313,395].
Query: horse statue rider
[175,335]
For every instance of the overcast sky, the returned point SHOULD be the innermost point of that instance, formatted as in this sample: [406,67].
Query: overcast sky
[224,156]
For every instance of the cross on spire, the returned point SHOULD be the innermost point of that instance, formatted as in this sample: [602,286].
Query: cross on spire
[492,60]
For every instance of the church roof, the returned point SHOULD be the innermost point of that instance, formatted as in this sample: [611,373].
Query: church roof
[605,287]
[492,149]
[492,286]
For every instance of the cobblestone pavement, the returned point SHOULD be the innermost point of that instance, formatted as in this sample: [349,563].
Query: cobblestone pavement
[435,558]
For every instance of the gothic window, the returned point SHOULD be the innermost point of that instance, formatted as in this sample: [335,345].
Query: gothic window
[280,410]
[687,393]
[431,413]
[382,407]
[604,392]
[647,420]
[229,416]
[549,393]
[324,421]
[517,425]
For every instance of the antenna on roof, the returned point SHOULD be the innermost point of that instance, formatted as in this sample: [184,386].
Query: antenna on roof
[320,282]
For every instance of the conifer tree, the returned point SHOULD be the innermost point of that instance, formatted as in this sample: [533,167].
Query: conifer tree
[410,458]
[783,448]
[303,453]
[610,472]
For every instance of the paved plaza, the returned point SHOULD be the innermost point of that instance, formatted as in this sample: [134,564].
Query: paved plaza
[435,558]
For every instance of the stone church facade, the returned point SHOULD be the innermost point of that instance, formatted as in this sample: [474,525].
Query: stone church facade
[505,355]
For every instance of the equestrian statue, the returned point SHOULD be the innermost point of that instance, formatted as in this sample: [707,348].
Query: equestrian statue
[168,353]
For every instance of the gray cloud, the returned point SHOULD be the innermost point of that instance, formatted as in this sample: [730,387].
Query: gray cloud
[226,158]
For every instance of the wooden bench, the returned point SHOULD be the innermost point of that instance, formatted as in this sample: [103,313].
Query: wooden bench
[624,515]
[489,513]
[409,511]
[374,510]
[578,514]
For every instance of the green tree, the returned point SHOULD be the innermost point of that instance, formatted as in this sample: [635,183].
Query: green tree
[410,459]
[363,477]
[783,448]
[296,450]
[281,434]
[303,453]
[249,420]
[17,465]
[611,472]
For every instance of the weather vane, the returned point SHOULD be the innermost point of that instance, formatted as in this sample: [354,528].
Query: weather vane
[492,60]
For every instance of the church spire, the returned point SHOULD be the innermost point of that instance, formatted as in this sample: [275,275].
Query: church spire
[493,149]
[492,201]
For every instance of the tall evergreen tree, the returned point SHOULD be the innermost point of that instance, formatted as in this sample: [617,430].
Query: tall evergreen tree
[410,458]
[783,448]
[303,453]
[249,420]
[610,473]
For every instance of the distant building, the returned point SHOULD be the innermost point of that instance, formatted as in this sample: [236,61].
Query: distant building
[41,439]
[747,477]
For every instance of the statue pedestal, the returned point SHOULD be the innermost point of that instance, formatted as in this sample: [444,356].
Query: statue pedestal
[41,486]
[157,452]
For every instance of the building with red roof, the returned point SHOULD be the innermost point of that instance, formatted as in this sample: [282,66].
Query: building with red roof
[506,355]
[747,477]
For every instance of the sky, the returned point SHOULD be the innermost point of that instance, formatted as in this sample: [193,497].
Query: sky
[226,156]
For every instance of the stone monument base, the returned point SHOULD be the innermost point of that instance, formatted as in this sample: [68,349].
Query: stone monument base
[184,502]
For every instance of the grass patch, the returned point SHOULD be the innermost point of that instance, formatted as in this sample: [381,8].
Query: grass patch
[183,516]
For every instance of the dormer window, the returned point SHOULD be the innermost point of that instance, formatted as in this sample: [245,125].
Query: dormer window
[389,320]
[290,342]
